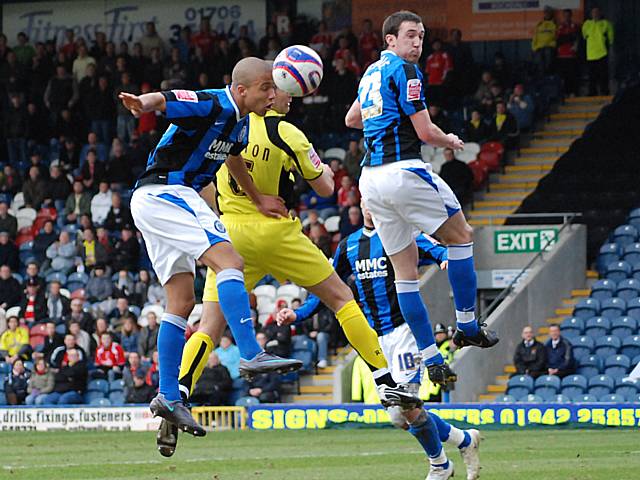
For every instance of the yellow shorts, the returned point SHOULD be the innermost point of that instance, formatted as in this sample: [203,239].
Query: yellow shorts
[272,246]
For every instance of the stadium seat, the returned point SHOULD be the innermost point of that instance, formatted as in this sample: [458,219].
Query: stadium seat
[93,395]
[335,152]
[247,401]
[472,147]
[631,346]
[519,386]
[531,398]
[3,399]
[57,276]
[597,327]
[590,365]
[609,252]
[332,224]
[582,346]
[587,308]
[613,307]
[622,327]
[306,357]
[635,270]
[560,398]
[288,291]
[77,280]
[491,160]
[495,147]
[612,398]
[100,402]
[603,289]
[607,345]
[574,385]
[633,308]
[546,394]
[25,217]
[548,381]
[1,382]
[117,398]
[624,235]
[5,368]
[466,156]
[631,253]
[28,364]
[617,366]
[572,327]
[268,291]
[116,386]
[600,385]
[505,399]
[98,386]
[628,390]
[618,271]
[290,377]
[584,398]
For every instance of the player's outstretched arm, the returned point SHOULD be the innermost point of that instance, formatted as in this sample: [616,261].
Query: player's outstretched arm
[268,205]
[430,133]
[139,104]
[353,119]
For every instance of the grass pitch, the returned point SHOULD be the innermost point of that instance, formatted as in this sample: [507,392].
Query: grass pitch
[387,454]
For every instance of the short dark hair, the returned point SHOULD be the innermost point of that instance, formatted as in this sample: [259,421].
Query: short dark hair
[391,24]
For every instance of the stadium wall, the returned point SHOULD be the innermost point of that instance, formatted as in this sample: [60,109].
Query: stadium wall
[533,300]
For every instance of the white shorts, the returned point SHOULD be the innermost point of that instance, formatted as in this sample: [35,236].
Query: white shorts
[406,198]
[177,226]
[400,350]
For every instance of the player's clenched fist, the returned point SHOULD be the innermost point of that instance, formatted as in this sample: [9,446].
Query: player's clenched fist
[286,316]
[454,142]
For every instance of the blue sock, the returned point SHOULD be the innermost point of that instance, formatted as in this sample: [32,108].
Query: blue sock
[462,277]
[451,434]
[467,440]
[443,427]
[170,344]
[426,432]
[417,317]
[234,303]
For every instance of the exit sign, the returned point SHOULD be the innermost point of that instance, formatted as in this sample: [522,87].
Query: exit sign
[524,241]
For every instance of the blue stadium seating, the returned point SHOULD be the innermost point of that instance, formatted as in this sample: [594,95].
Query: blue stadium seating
[1,383]
[548,381]
[98,386]
[89,397]
[531,398]
[635,270]
[505,399]
[3,399]
[628,390]
[625,235]
[600,385]
[519,386]
[572,327]
[587,308]
[546,394]
[603,289]
[100,402]
[618,271]
[574,385]
[622,327]
[612,398]
[560,398]
[238,387]
[56,276]
[582,346]
[633,308]
[116,386]
[613,307]
[631,346]
[584,398]
[306,357]
[635,399]
[247,401]
[617,366]
[628,289]
[590,365]
[609,252]
[117,398]
[597,327]
[4,368]
[607,345]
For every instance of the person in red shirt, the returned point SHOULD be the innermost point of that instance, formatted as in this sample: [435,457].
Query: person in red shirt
[567,58]
[368,42]
[438,64]
[350,63]
[338,172]
[109,356]
[147,122]
[346,187]
[343,46]
[69,46]
[323,37]
[205,38]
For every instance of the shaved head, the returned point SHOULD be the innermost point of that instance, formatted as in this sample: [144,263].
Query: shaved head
[248,70]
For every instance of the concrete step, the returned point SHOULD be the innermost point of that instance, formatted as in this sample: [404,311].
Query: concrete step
[540,167]
[552,142]
[543,330]
[566,124]
[580,292]
[485,397]
[574,115]
[592,274]
[538,160]
[308,399]
[316,388]
[543,151]
[497,388]
[553,320]
[502,379]
[513,186]
[559,133]
[483,222]
[570,302]
[506,204]
[489,212]
[593,99]
[509,369]
[521,177]
[316,379]
[586,107]
[565,311]
[327,370]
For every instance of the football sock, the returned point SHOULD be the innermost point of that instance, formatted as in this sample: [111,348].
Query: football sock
[450,434]
[382,376]
[462,277]
[425,431]
[360,335]
[417,317]
[194,358]
[170,345]
[234,303]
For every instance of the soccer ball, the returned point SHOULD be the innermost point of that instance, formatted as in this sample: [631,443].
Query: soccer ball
[297,70]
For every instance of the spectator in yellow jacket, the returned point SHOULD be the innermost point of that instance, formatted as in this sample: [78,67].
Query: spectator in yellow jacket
[543,43]
[598,33]
[14,342]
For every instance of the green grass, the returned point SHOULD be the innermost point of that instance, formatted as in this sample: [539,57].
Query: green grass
[541,454]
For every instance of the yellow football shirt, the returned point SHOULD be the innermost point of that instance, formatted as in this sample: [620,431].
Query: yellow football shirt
[275,149]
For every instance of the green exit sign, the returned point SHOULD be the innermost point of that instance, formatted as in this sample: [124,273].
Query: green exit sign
[524,241]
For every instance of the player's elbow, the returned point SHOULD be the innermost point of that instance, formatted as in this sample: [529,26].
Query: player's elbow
[324,187]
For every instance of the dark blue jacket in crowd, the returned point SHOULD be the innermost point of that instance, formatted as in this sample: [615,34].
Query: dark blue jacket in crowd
[560,357]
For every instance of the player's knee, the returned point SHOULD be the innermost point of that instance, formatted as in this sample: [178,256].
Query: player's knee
[397,417]
[182,306]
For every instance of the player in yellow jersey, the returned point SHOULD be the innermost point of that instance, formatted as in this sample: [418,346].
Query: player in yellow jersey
[278,247]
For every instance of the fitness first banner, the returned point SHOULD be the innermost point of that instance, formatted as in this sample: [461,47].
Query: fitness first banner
[301,417]
[125,20]
[137,419]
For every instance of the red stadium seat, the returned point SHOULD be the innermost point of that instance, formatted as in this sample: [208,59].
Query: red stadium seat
[491,160]
[24,236]
[36,340]
[496,147]
[39,329]
[79,293]
[480,173]
[49,212]
[38,223]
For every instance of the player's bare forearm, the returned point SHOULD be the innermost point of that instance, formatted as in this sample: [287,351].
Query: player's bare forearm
[353,119]
[324,185]
[139,104]
[430,133]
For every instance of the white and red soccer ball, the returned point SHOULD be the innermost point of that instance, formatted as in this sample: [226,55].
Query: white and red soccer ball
[297,70]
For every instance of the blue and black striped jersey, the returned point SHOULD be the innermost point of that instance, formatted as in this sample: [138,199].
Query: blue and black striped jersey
[389,93]
[362,257]
[205,129]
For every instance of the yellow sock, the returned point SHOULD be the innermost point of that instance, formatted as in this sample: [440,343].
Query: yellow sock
[360,335]
[194,357]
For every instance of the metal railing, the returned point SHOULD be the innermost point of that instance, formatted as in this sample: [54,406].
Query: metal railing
[567,219]
[221,418]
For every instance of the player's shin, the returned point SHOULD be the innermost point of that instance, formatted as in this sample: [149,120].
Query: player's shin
[170,344]
[451,434]
[462,276]
[423,428]
[194,358]
[234,303]
[417,317]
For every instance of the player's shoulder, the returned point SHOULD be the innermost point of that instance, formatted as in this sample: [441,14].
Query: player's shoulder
[289,132]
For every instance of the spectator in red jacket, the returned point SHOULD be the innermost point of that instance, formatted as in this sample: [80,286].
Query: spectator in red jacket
[567,35]
[346,187]
[110,356]
[438,64]
[368,42]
